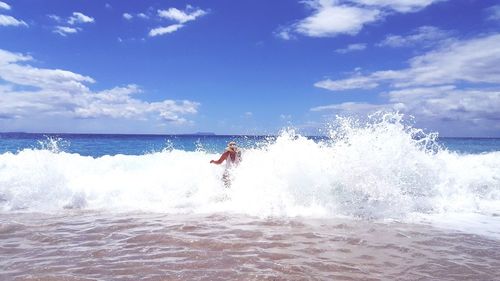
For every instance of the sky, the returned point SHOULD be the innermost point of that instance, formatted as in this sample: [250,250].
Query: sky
[247,66]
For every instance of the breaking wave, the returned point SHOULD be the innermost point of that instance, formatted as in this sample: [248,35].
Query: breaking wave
[381,168]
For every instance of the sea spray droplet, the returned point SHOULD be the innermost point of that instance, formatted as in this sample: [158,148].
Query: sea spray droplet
[53,144]
[169,145]
[199,145]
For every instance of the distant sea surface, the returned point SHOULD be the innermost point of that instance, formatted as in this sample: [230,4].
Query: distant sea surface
[97,145]
[382,201]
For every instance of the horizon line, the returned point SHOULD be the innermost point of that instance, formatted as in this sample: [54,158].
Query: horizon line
[211,134]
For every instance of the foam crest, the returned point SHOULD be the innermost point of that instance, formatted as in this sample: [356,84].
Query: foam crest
[381,168]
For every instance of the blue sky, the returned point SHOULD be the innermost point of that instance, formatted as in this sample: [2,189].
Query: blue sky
[247,66]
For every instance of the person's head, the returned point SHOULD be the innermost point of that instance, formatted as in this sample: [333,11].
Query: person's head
[232,146]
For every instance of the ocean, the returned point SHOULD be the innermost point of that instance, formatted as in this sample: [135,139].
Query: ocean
[368,200]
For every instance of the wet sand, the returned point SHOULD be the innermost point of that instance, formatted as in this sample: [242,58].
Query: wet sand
[82,245]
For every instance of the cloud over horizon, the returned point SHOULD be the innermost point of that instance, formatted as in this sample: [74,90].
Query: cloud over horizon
[29,91]
[428,88]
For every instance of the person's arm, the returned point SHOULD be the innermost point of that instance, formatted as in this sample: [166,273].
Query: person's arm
[221,159]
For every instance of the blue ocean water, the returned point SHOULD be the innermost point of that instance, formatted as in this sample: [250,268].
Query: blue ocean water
[97,145]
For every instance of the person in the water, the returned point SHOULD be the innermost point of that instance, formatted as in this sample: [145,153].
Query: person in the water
[232,156]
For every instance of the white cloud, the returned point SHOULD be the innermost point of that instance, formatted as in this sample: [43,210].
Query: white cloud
[454,89]
[55,18]
[164,30]
[11,21]
[354,82]
[181,17]
[74,20]
[360,108]
[330,19]
[127,16]
[402,6]
[452,111]
[351,48]
[285,33]
[475,60]
[65,30]
[449,103]
[118,103]
[20,74]
[285,116]
[78,17]
[333,17]
[4,6]
[493,12]
[7,57]
[64,93]
[426,36]
[189,14]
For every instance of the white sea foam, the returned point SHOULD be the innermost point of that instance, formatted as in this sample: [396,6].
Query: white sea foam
[378,169]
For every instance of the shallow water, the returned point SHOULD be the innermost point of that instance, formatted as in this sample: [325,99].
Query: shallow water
[79,245]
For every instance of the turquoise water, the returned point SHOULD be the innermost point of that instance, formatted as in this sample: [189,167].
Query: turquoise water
[101,144]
